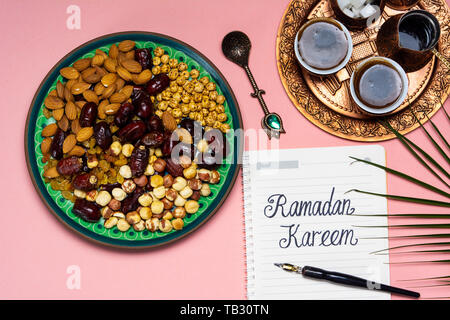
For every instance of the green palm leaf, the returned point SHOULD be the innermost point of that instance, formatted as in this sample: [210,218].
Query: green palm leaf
[432,278]
[414,236]
[428,225]
[407,143]
[445,111]
[423,261]
[405,176]
[415,245]
[436,145]
[407,199]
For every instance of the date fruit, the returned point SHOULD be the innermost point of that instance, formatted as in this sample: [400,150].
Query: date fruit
[154,123]
[132,131]
[84,182]
[87,210]
[174,169]
[102,134]
[56,147]
[139,161]
[144,107]
[158,83]
[69,166]
[194,128]
[144,57]
[124,115]
[153,139]
[131,202]
[110,186]
[88,114]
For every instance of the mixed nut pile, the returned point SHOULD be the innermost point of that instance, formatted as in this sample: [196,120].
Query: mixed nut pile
[137,140]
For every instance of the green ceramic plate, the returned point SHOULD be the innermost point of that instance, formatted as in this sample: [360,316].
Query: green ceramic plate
[62,208]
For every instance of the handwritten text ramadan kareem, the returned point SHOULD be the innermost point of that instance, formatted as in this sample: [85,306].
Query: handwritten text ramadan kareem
[278,206]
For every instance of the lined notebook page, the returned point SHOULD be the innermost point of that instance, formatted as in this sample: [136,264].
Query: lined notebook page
[296,212]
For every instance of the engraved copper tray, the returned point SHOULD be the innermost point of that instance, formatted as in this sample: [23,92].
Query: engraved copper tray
[326,101]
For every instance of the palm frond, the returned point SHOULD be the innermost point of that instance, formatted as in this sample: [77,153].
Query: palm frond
[432,278]
[422,261]
[428,225]
[414,236]
[436,145]
[408,215]
[414,251]
[414,245]
[408,143]
[407,199]
[445,111]
[405,176]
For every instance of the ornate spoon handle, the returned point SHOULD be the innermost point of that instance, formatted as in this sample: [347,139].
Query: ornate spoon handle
[258,92]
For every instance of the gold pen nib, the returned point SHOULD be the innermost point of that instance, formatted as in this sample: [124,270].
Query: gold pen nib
[289,267]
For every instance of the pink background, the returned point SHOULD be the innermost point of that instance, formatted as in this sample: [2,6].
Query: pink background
[36,249]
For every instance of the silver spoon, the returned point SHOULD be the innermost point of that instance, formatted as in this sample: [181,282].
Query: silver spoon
[236,47]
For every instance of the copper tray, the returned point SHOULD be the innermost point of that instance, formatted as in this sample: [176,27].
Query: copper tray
[326,102]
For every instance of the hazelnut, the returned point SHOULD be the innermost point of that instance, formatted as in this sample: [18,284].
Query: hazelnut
[215,177]
[157,207]
[205,190]
[190,173]
[115,148]
[195,195]
[168,181]
[145,200]
[128,186]
[179,212]
[186,192]
[123,225]
[167,215]
[114,204]
[152,224]
[79,193]
[127,150]
[119,194]
[165,226]
[159,192]
[179,183]
[119,215]
[178,224]
[133,217]
[149,170]
[141,181]
[106,212]
[191,206]
[159,165]
[111,222]
[92,161]
[156,181]
[167,203]
[204,174]
[185,161]
[145,213]
[171,194]
[139,226]
[195,184]
[179,201]
[91,195]
[125,171]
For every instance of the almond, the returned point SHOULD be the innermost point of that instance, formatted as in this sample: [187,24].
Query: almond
[101,53]
[123,73]
[45,145]
[68,96]
[109,79]
[69,73]
[127,91]
[144,77]
[169,121]
[118,97]
[77,151]
[53,93]
[119,83]
[75,126]
[101,109]
[71,110]
[79,88]
[109,91]
[58,114]
[49,130]
[97,60]
[132,66]
[110,64]
[82,64]
[51,173]
[113,51]
[60,89]
[69,143]
[84,134]
[63,124]
[126,45]
[112,108]
[90,96]
[70,83]
[52,102]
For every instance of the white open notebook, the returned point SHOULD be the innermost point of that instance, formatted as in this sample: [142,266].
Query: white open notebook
[296,212]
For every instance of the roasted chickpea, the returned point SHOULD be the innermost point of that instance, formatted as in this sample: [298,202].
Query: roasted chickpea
[165,58]
[195,73]
[158,52]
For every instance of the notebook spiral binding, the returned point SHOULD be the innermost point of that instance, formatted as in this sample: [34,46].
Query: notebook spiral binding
[248,229]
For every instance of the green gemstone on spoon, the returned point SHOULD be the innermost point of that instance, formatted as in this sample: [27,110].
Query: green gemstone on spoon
[274,122]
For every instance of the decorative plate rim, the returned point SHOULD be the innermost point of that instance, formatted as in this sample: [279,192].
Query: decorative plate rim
[154,242]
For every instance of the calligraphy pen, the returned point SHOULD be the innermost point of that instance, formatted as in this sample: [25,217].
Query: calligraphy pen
[342,278]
